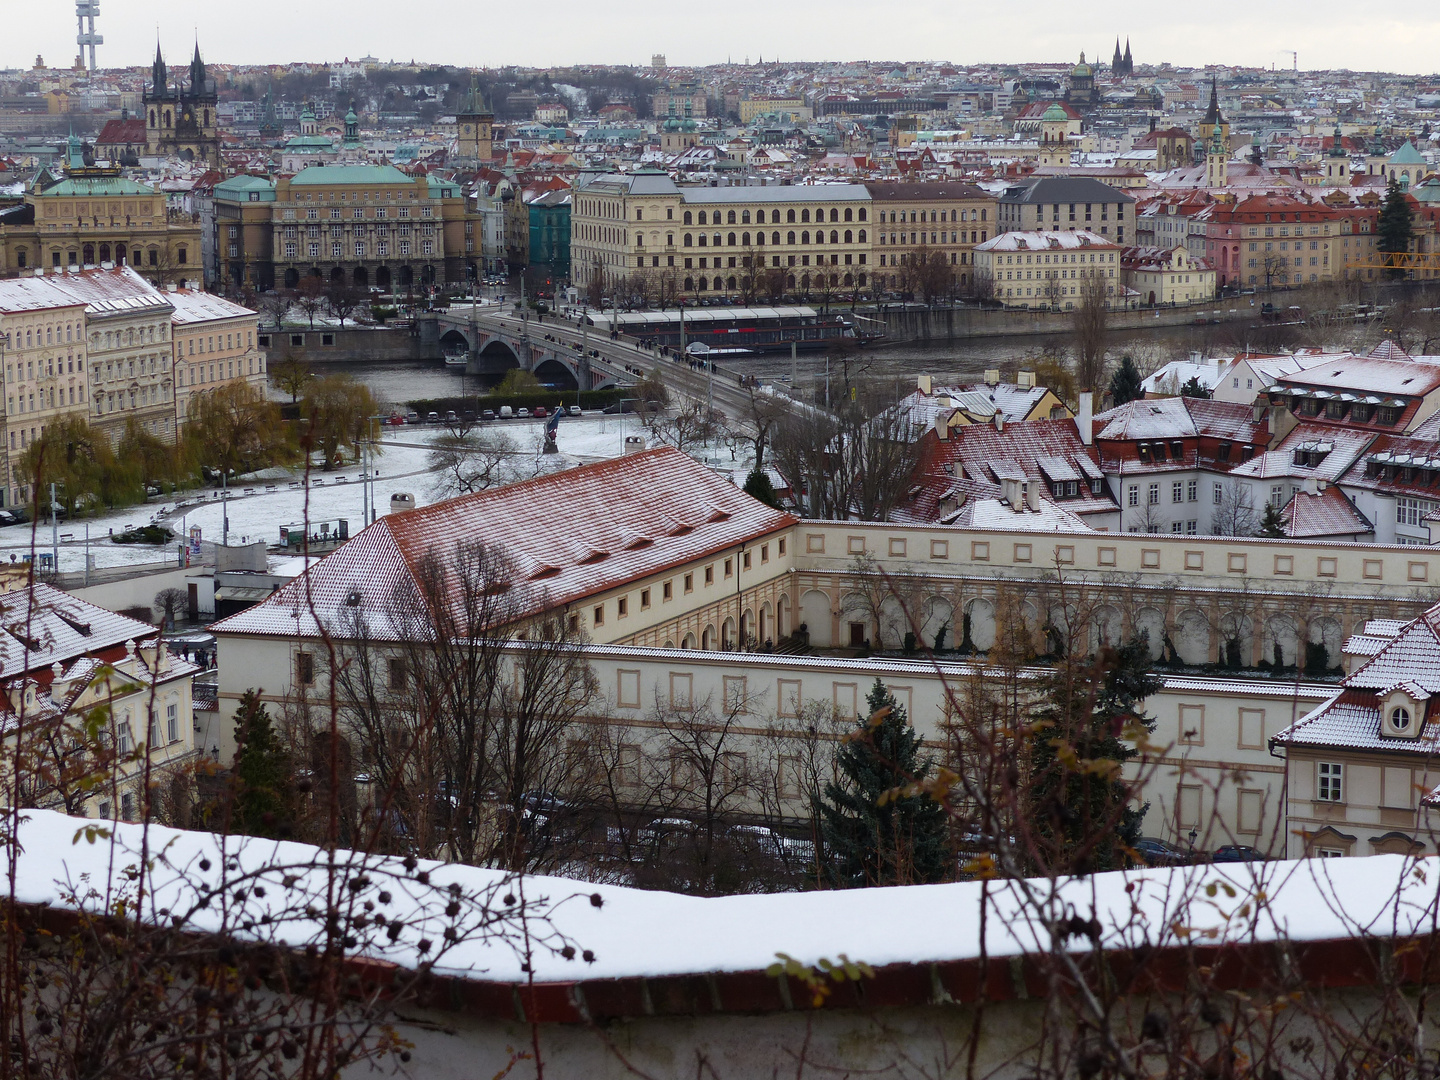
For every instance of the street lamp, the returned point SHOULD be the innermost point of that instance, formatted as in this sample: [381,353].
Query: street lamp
[224,506]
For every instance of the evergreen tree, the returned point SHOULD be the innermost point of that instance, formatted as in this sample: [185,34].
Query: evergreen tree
[1125,382]
[1271,525]
[1079,804]
[262,780]
[876,838]
[1194,388]
[1394,229]
[758,486]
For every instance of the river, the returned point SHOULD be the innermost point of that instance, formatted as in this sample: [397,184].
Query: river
[953,361]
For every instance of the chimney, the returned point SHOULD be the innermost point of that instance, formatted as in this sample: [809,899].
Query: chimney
[999,420]
[1085,419]
[1032,495]
[942,427]
[1310,486]
[992,376]
[923,384]
[1010,488]
[1025,379]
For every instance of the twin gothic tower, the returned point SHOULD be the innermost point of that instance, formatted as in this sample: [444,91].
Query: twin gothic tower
[180,121]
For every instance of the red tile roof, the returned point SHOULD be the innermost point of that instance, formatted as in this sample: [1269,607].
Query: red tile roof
[1327,513]
[122,132]
[570,535]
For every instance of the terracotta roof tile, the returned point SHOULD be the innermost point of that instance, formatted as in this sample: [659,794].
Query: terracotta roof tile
[570,534]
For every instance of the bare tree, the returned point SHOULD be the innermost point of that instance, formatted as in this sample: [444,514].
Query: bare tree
[1236,514]
[310,297]
[1090,332]
[170,602]
[463,694]
[276,305]
[854,463]
[688,425]
[470,461]
[343,300]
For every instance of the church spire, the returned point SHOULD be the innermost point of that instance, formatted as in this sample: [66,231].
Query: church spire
[158,75]
[1212,114]
[1117,64]
[197,72]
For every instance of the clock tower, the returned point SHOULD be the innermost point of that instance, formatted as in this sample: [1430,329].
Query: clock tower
[473,123]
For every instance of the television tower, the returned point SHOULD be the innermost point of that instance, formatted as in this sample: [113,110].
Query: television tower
[87,10]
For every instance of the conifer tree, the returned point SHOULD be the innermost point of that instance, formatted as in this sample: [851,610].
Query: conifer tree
[262,803]
[1272,525]
[758,486]
[1125,382]
[1394,229]
[1087,723]
[876,837]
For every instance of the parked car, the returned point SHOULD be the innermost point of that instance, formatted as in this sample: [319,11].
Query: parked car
[488,414]
[433,418]
[450,417]
[539,412]
[522,413]
[574,410]
[1157,852]
[412,417]
[395,419]
[506,412]
[1237,853]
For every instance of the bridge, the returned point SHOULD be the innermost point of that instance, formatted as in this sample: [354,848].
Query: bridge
[493,345]
[560,352]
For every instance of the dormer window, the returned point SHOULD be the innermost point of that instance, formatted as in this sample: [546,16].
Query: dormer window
[1402,710]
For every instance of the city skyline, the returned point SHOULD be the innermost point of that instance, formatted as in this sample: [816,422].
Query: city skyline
[1264,35]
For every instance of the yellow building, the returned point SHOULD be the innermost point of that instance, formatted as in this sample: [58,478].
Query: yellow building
[920,222]
[215,342]
[732,241]
[750,108]
[1048,269]
[95,216]
[1167,276]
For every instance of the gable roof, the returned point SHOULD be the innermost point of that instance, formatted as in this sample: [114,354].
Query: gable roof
[1328,513]
[569,535]
[1180,417]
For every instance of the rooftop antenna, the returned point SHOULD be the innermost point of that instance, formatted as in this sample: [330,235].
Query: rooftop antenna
[85,12]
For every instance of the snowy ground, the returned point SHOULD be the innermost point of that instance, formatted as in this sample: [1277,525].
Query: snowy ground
[258,508]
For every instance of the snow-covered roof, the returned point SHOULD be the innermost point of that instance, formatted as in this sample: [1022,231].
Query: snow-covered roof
[41,625]
[1180,417]
[194,306]
[569,535]
[1047,240]
[1327,513]
[1047,516]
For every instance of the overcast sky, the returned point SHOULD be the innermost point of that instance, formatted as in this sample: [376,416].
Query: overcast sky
[1326,33]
